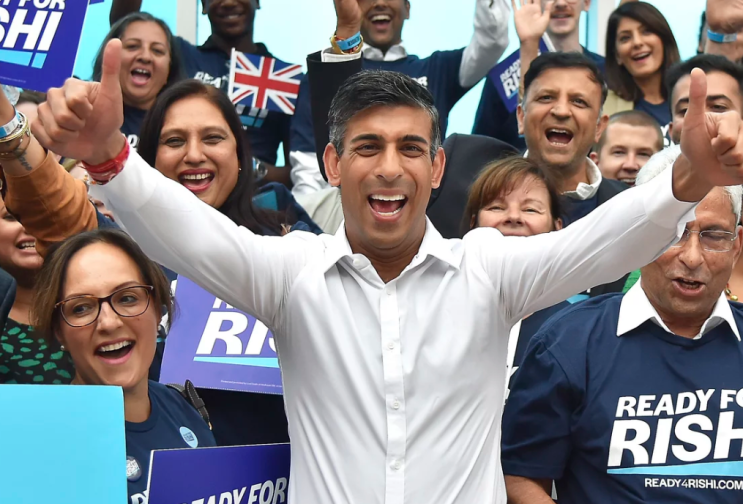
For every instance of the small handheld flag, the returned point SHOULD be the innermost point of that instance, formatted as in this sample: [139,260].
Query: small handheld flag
[264,83]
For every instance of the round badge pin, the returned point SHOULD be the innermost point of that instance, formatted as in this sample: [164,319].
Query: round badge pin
[133,470]
[189,437]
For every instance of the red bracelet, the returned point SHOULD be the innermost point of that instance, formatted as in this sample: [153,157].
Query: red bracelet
[104,172]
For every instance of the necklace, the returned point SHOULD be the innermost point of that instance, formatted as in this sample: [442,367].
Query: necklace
[729,293]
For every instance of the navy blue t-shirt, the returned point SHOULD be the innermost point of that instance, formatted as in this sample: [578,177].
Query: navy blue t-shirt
[439,73]
[173,423]
[266,130]
[133,118]
[660,112]
[493,118]
[647,417]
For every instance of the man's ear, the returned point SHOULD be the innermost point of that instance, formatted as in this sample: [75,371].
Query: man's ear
[594,157]
[600,127]
[407,10]
[558,224]
[520,118]
[737,245]
[332,165]
[586,5]
[439,165]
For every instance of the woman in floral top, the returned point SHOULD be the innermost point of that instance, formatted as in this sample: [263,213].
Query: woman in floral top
[25,357]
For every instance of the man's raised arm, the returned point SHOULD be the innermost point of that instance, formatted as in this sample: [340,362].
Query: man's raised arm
[630,230]
[170,224]
[121,8]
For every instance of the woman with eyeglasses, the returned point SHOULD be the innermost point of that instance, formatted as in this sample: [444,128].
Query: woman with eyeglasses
[100,297]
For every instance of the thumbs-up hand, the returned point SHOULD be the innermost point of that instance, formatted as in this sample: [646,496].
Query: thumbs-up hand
[711,144]
[348,14]
[81,120]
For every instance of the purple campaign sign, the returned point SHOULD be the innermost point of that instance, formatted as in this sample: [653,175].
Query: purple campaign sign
[39,41]
[506,77]
[216,346]
[236,474]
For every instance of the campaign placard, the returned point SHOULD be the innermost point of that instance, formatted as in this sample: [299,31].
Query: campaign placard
[62,443]
[39,41]
[506,76]
[217,346]
[229,475]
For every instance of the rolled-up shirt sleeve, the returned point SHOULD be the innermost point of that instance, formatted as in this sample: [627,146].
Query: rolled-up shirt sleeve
[50,203]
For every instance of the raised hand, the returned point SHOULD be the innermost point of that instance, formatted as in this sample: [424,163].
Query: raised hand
[711,142]
[349,15]
[531,22]
[81,120]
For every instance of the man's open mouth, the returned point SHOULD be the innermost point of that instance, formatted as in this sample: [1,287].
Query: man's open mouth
[688,286]
[559,136]
[387,206]
[380,21]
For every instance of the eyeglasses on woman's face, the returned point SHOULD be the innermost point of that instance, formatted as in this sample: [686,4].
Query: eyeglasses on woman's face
[81,311]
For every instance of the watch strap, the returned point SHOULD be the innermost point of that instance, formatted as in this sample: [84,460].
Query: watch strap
[7,129]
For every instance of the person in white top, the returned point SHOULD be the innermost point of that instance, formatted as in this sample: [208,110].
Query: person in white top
[392,340]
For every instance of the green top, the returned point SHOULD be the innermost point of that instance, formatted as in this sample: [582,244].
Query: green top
[28,359]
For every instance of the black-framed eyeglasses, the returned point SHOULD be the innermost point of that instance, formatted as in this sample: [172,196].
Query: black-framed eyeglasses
[81,311]
[711,240]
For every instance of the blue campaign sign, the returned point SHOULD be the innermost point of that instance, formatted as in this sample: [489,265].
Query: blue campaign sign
[231,475]
[217,346]
[506,77]
[39,41]
[62,443]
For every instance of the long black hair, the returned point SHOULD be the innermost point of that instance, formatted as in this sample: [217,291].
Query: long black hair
[176,72]
[239,204]
[619,79]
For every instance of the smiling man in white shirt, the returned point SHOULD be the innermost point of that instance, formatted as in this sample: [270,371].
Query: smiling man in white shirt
[390,337]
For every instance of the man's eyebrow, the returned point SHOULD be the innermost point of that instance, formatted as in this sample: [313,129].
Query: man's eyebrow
[414,138]
[366,137]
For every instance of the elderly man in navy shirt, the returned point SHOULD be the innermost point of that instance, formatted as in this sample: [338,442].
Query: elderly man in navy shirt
[639,398]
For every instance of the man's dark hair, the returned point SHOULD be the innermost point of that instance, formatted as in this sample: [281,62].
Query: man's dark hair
[619,79]
[708,63]
[375,88]
[562,60]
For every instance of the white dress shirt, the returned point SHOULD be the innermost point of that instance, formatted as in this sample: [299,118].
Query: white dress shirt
[393,392]
[636,309]
[489,40]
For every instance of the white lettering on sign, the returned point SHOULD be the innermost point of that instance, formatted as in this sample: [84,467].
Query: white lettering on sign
[237,325]
[269,492]
[688,431]
[39,32]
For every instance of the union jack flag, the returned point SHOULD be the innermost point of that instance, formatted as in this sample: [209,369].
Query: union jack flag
[264,83]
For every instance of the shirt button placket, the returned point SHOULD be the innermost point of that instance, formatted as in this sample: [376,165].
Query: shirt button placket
[395,395]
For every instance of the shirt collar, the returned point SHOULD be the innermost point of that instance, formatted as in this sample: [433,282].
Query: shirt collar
[585,191]
[433,244]
[636,309]
[396,52]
